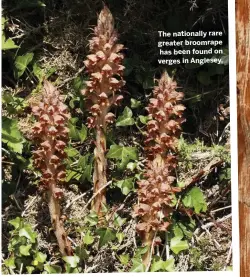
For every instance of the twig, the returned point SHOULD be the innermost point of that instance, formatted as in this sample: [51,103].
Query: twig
[18,181]
[21,268]
[228,257]
[167,246]
[207,231]
[77,198]
[72,241]
[204,172]
[220,209]
[29,205]
[90,200]
[71,78]
[6,151]
[5,162]
[210,224]
[224,132]
[151,253]
[15,200]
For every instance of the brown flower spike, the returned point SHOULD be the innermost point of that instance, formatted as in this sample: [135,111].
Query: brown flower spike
[105,69]
[51,136]
[156,190]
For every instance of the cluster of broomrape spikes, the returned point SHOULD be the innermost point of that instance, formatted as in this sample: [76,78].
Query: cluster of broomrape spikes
[51,135]
[156,190]
[105,69]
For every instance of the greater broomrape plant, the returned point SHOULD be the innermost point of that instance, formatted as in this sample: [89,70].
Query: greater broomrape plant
[105,69]
[156,190]
[51,135]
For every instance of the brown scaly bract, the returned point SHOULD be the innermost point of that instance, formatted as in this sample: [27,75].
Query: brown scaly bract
[105,69]
[156,190]
[51,135]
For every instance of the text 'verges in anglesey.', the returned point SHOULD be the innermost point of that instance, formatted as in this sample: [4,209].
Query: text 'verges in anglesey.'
[184,47]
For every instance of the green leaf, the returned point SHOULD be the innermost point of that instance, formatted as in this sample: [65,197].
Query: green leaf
[225,174]
[135,103]
[30,269]
[11,134]
[70,269]
[144,119]
[15,222]
[49,71]
[83,161]
[71,174]
[195,199]
[141,250]
[160,265]
[137,266]
[177,245]
[40,257]
[106,235]
[92,218]
[88,239]
[178,231]
[75,132]
[131,166]
[81,252]
[3,22]
[157,266]
[187,228]
[38,72]
[124,259]
[120,237]
[88,172]
[122,153]
[8,44]
[24,249]
[10,263]
[126,118]
[52,269]
[169,265]
[83,133]
[126,185]
[78,83]
[180,184]
[27,232]
[118,221]
[72,261]
[21,64]
[71,152]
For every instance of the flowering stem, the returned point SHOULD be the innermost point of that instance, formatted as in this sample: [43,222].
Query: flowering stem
[51,136]
[55,215]
[156,190]
[99,176]
[105,70]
